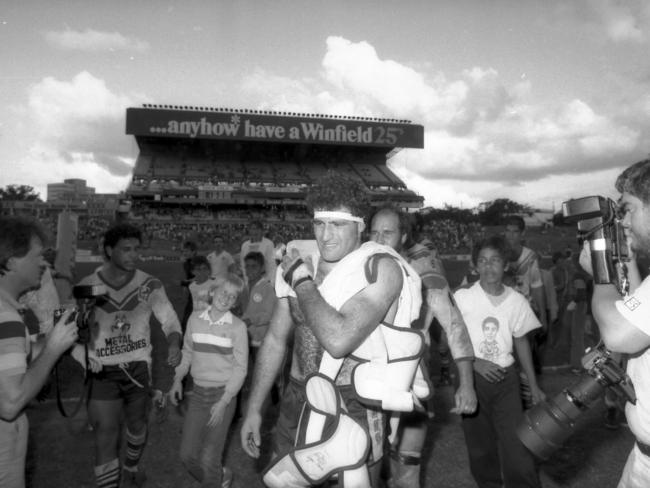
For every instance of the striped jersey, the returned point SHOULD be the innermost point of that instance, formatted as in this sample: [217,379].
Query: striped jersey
[216,353]
[120,328]
[15,345]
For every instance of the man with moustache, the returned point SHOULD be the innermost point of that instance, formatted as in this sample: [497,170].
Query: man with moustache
[21,267]
[623,321]
[392,228]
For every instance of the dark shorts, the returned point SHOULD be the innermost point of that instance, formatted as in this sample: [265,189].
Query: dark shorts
[291,406]
[117,383]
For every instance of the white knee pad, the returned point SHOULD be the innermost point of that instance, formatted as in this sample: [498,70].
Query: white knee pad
[334,444]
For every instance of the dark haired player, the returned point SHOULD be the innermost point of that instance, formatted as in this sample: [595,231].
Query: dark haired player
[120,354]
[327,331]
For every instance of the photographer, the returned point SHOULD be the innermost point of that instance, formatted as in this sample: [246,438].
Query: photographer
[624,321]
[21,267]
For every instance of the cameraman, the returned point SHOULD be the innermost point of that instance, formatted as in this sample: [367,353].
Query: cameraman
[21,267]
[624,322]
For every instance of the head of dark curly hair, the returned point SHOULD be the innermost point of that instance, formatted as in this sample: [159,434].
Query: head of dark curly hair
[635,180]
[334,191]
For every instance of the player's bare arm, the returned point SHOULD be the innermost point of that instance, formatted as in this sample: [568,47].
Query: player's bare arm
[267,365]
[341,332]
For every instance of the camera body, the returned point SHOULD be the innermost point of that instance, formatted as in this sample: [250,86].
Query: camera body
[86,296]
[598,222]
[548,424]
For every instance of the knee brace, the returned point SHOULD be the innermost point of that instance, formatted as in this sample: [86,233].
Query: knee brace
[330,443]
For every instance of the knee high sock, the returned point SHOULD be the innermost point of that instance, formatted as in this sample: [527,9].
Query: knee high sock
[134,446]
[108,475]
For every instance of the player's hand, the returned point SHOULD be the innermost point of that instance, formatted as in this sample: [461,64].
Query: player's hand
[465,400]
[63,335]
[490,371]
[294,269]
[176,393]
[174,355]
[94,364]
[216,413]
[250,434]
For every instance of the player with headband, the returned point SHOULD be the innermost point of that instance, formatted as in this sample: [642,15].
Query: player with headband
[343,308]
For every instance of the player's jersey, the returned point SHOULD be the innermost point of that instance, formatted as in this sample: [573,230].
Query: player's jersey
[120,330]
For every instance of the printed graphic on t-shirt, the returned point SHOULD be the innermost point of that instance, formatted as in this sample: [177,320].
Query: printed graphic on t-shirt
[488,348]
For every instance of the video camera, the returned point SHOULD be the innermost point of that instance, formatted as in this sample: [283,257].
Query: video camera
[85,295]
[599,223]
[548,424]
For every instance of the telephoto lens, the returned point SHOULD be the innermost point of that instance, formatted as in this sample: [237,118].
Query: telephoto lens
[549,424]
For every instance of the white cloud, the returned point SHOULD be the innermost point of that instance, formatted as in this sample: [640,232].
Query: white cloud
[75,129]
[92,41]
[623,21]
[480,133]
[81,116]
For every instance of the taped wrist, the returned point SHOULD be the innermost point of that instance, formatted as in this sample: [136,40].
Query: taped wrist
[300,276]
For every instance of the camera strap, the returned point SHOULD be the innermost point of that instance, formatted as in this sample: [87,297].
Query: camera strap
[87,386]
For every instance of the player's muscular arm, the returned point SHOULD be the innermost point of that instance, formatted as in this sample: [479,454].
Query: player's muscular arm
[443,307]
[341,332]
[270,355]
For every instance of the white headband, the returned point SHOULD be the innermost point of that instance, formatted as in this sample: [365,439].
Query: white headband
[339,215]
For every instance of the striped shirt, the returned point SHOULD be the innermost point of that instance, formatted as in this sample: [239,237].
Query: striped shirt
[14,339]
[216,353]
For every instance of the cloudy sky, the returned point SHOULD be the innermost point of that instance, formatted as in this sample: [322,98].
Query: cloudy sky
[536,101]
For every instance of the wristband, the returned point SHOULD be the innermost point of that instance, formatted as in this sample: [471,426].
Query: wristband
[288,275]
[300,281]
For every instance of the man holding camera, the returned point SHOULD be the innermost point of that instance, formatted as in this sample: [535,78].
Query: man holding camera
[624,321]
[21,267]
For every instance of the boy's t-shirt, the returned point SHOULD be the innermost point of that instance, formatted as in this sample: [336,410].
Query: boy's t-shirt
[492,327]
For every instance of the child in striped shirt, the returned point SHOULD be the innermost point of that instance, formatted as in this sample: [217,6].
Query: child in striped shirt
[215,352]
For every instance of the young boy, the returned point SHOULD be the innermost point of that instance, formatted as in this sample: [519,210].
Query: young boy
[498,319]
[261,298]
[215,350]
[202,284]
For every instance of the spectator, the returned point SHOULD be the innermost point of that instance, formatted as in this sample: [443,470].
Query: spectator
[215,350]
[221,261]
[257,242]
[498,318]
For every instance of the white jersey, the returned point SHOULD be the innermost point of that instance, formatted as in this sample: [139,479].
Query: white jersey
[120,330]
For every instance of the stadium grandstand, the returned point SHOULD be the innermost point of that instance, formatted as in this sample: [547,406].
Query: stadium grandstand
[198,164]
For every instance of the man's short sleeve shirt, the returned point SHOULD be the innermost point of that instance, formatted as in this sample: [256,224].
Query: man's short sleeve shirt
[636,309]
[14,340]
